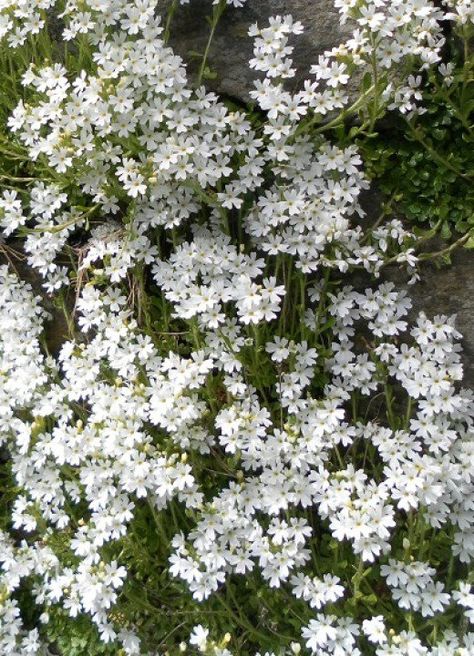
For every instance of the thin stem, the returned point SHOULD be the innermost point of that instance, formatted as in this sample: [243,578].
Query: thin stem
[159,524]
[169,18]
[239,619]
[17,179]
[388,400]
[449,249]
[357,578]
[67,224]
[408,412]
[374,109]
[339,120]
[217,13]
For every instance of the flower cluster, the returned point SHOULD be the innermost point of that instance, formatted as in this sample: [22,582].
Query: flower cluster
[413,586]
[277,431]
[224,275]
[113,458]
[133,130]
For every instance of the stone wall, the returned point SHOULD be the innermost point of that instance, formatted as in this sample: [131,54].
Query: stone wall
[232,47]
[448,289]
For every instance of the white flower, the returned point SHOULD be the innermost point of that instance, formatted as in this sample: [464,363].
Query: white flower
[198,637]
[375,630]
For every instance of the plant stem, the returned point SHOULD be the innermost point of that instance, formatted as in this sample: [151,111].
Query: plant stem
[338,120]
[239,619]
[388,400]
[169,18]
[216,15]
[449,249]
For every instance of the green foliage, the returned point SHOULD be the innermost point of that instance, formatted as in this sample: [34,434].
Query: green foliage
[425,163]
[426,191]
[75,637]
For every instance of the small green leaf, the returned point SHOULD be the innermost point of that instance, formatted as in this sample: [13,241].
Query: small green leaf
[445,231]
[208,74]
[438,134]
[366,81]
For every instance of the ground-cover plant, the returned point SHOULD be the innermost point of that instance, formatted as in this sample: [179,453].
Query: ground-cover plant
[234,451]
[424,161]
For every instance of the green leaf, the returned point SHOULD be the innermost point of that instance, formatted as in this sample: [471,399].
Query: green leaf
[470,242]
[208,74]
[447,259]
[366,81]
[438,134]
[445,231]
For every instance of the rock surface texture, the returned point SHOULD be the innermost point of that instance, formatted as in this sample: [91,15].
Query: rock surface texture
[442,289]
[232,47]
[449,290]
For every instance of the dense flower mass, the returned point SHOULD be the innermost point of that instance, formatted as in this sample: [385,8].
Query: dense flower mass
[238,447]
[132,129]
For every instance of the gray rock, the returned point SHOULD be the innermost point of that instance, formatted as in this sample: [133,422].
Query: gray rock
[55,328]
[232,47]
[448,290]
[442,289]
